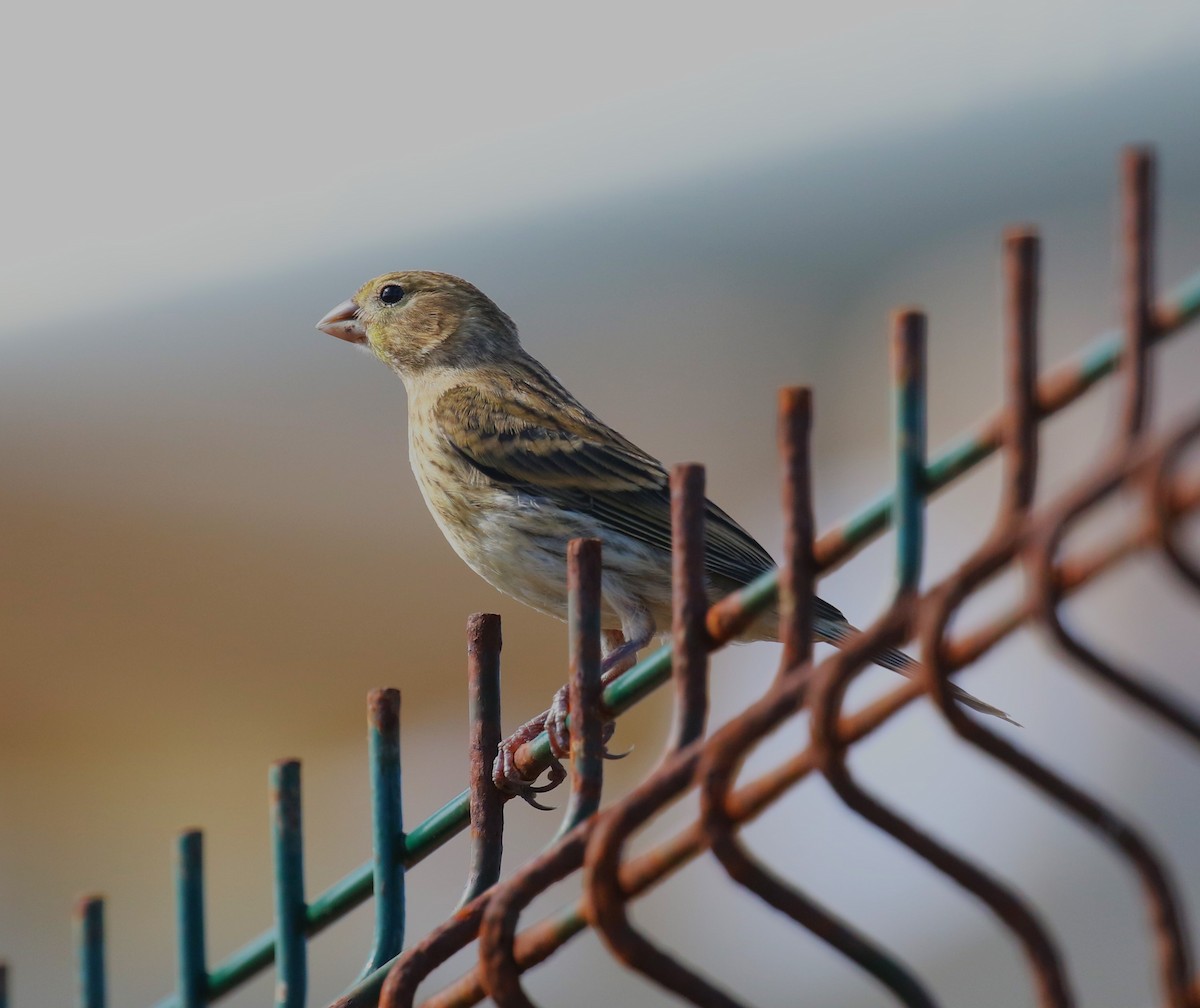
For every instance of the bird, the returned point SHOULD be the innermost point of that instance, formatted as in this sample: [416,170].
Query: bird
[512,467]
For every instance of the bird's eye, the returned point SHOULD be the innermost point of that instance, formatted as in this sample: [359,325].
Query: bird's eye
[391,294]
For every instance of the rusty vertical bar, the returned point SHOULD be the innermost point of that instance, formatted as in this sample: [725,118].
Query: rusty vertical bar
[89,941]
[487,801]
[1137,213]
[291,967]
[587,729]
[908,383]
[189,904]
[798,576]
[689,636]
[1022,264]
[796,579]
[387,825]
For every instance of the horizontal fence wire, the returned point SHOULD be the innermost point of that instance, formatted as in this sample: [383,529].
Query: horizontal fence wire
[593,842]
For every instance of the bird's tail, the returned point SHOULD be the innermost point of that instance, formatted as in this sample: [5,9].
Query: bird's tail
[841,633]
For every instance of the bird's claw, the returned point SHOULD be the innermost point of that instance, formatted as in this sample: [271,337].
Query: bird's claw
[508,777]
[524,790]
[505,773]
[609,728]
[516,785]
[557,730]
[559,733]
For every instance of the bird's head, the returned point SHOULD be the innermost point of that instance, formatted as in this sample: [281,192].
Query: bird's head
[417,320]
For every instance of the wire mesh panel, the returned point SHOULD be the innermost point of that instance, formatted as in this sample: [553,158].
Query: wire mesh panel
[592,842]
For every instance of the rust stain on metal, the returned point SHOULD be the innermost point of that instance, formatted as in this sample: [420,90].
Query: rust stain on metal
[689,634]
[484,643]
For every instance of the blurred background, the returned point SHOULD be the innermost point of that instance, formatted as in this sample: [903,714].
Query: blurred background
[213,546]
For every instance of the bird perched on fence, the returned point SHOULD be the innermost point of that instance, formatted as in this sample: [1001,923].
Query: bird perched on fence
[513,467]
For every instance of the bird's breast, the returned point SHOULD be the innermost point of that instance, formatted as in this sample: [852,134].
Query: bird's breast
[517,540]
[512,540]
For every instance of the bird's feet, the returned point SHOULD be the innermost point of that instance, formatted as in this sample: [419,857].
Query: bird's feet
[507,776]
[620,655]
[559,732]
[505,773]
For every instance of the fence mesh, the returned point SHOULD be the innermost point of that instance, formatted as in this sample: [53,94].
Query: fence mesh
[1028,535]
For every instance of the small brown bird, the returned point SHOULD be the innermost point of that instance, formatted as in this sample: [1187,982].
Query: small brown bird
[512,467]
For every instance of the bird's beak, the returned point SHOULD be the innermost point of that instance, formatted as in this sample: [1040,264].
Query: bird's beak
[343,323]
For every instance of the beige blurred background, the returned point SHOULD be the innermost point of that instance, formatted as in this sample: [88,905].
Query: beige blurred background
[212,545]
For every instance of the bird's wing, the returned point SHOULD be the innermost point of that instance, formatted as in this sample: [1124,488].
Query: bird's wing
[538,440]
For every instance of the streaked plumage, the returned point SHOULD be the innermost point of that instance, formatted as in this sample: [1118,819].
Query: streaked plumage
[512,466]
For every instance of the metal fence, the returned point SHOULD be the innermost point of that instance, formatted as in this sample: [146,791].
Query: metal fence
[1025,537]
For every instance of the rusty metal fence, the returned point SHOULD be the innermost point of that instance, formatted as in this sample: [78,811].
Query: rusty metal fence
[592,841]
